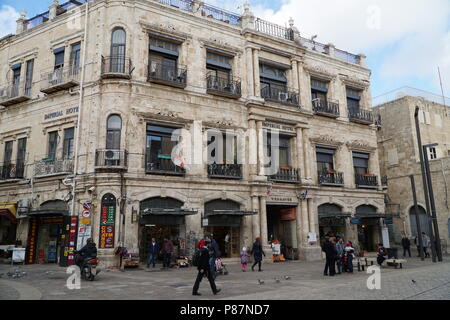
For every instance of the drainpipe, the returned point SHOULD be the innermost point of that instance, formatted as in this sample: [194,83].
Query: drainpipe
[80,110]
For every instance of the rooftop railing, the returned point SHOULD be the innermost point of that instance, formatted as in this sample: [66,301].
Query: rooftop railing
[273,29]
[180,4]
[220,14]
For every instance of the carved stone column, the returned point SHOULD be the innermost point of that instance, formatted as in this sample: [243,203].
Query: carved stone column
[261,168]
[263,220]
[256,75]
[253,148]
[249,71]
[256,217]
[307,155]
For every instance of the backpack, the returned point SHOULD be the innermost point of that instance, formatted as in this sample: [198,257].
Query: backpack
[196,258]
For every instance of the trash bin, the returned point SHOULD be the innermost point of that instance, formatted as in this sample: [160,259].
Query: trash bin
[392,253]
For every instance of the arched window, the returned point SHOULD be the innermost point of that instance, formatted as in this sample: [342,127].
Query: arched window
[113,132]
[107,221]
[118,45]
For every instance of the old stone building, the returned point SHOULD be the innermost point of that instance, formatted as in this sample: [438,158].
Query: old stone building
[95,93]
[399,157]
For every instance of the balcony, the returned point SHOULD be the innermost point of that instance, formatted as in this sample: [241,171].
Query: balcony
[15,93]
[286,175]
[60,79]
[360,116]
[52,166]
[164,167]
[225,171]
[331,178]
[327,108]
[366,181]
[167,75]
[12,171]
[108,159]
[223,87]
[274,30]
[280,96]
[116,67]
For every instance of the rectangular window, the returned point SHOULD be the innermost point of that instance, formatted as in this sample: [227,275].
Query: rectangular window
[229,148]
[283,147]
[361,162]
[52,144]
[29,77]
[325,159]
[353,99]
[8,152]
[218,68]
[75,56]
[21,155]
[159,145]
[432,154]
[59,58]
[16,70]
[68,143]
[319,90]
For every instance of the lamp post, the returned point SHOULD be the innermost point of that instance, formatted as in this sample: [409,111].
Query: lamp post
[424,181]
[432,203]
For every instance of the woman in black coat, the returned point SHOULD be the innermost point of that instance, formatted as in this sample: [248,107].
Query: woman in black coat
[257,252]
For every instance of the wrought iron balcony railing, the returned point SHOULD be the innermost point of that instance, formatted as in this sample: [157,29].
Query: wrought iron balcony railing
[164,167]
[283,96]
[111,159]
[286,175]
[167,74]
[116,67]
[331,178]
[366,180]
[223,86]
[225,171]
[11,171]
[60,79]
[360,116]
[328,108]
[53,166]
[15,93]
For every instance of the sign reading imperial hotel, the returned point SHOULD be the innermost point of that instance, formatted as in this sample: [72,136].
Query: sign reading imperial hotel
[90,116]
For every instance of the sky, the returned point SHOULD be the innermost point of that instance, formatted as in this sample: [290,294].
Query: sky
[405,41]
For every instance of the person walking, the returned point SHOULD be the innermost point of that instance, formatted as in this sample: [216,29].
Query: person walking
[244,258]
[417,243]
[340,254]
[257,252]
[349,253]
[167,251]
[426,243]
[204,270]
[153,250]
[406,244]
[214,253]
[330,251]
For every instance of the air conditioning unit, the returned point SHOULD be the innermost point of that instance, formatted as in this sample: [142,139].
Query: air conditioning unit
[283,96]
[112,155]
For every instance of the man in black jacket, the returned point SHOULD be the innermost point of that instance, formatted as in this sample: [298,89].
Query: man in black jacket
[406,244]
[330,251]
[204,270]
[89,251]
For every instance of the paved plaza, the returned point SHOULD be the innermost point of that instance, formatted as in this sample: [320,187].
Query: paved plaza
[297,281]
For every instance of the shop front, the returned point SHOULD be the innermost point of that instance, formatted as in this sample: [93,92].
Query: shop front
[368,226]
[8,223]
[224,220]
[282,223]
[164,218]
[51,235]
[332,221]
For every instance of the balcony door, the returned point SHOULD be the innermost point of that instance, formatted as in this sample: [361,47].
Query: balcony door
[361,163]
[159,148]
[16,80]
[21,154]
[7,168]
[325,160]
[118,47]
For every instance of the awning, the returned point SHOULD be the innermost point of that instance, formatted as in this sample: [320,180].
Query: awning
[376,215]
[176,212]
[9,210]
[334,215]
[48,212]
[230,213]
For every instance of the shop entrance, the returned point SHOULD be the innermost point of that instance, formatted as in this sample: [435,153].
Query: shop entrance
[164,218]
[369,231]
[331,221]
[281,226]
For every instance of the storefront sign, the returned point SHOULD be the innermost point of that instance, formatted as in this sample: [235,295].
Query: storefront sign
[85,229]
[332,222]
[355,221]
[288,214]
[60,113]
[281,127]
[32,238]
[72,239]
[107,225]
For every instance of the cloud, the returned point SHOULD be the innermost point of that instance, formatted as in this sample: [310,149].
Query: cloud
[8,17]
[405,39]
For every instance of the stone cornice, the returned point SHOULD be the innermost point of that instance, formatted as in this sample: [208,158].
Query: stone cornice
[326,140]
[319,72]
[13,134]
[360,145]
[354,82]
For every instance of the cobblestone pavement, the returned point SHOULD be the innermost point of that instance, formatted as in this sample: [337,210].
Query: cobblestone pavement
[306,281]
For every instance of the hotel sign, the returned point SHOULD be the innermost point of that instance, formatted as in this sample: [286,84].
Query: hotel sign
[58,114]
[281,127]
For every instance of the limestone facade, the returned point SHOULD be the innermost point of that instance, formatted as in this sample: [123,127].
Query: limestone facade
[140,102]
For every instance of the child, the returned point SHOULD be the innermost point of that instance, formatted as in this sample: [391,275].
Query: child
[244,258]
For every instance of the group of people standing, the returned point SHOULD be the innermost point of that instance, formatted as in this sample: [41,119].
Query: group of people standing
[154,249]
[426,244]
[338,254]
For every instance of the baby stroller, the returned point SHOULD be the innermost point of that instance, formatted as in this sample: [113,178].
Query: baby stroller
[220,267]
